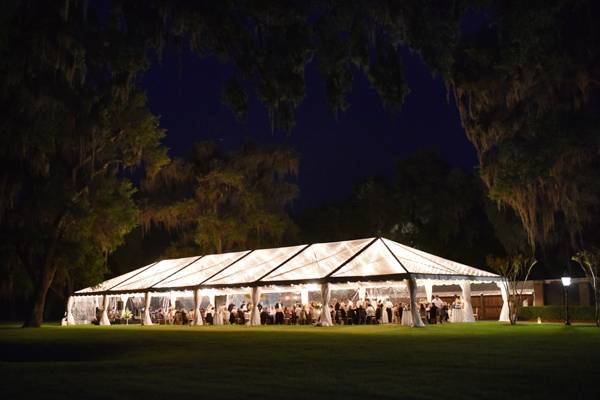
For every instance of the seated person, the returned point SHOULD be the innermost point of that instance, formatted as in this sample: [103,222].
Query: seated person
[232,315]
[241,317]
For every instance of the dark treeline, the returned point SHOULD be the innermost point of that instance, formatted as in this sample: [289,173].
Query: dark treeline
[76,127]
[429,205]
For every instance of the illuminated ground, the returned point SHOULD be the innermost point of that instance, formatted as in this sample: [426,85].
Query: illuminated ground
[479,361]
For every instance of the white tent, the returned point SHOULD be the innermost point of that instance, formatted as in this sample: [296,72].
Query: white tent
[361,263]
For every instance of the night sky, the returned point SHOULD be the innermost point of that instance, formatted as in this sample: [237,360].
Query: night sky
[335,153]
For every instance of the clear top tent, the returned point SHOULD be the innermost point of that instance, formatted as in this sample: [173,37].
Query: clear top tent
[352,264]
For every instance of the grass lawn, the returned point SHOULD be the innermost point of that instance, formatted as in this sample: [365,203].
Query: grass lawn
[479,361]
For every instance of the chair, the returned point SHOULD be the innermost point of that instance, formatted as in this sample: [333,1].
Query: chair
[476,314]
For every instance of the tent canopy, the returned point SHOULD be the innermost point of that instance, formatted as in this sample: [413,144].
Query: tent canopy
[372,259]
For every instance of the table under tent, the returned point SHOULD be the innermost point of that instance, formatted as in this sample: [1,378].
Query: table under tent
[366,267]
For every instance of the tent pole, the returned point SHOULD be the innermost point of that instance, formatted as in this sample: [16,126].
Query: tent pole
[147,320]
[104,319]
[468,308]
[414,308]
[197,314]
[429,290]
[504,313]
[70,318]
[325,317]
[255,316]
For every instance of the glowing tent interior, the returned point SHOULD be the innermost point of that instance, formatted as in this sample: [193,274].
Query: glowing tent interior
[319,267]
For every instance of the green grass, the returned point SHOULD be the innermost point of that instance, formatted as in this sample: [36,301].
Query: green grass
[479,361]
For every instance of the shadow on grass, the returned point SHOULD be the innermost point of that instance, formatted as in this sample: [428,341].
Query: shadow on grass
[57,352]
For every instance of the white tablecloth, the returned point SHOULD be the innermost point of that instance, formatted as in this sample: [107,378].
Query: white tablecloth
[456,315]
[406,318]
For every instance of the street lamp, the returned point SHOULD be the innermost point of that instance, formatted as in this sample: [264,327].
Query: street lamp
[566,281]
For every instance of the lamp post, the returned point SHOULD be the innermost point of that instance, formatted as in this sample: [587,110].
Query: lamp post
[566,281]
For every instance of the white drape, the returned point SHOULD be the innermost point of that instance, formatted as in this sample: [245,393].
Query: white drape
[219,315]
[255,315]
[104,319]
[414,307]
[304,297]
[124,301]
[362,293]
[70,317]
[504,313]
[211,299]
[147,320]
[325,317]
[465,286]
[429,290]
[197,314]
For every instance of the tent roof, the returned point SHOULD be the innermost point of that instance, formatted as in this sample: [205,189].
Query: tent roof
[369,259]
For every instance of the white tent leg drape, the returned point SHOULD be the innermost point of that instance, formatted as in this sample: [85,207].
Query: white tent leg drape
[219,314]
[70,317]
[504,313]
[414,307]
[304,297]
[325,317]
[104,318]
[124,301]
[197,314]
[429,290]
[255,315]
[172,300]
[147,320]
[465,286]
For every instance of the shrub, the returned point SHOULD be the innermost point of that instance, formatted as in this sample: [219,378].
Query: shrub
[556,313]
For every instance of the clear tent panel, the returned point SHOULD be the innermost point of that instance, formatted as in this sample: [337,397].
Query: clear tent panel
[238,299]
[374,260]
[396,294]
[135,304]
[417,261]
[346,296]
[317,261]
[84,308]
[155,274]
[201,270]
[254,266]
[108,284]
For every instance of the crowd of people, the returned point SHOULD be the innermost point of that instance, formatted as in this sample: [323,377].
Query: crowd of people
[344,312]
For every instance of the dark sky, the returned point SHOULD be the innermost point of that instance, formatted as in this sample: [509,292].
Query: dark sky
[335,153]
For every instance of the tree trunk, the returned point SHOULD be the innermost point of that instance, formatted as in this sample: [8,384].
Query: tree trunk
[597,309]
[35,316]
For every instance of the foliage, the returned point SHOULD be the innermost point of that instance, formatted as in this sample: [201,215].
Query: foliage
[590,262]
[271,44]
[515,271]
[220,202]
[525,83]
[556,313]
[73,126]
[429,205]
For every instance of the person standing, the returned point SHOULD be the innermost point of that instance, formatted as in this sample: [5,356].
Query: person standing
[388,309]
[278,314]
